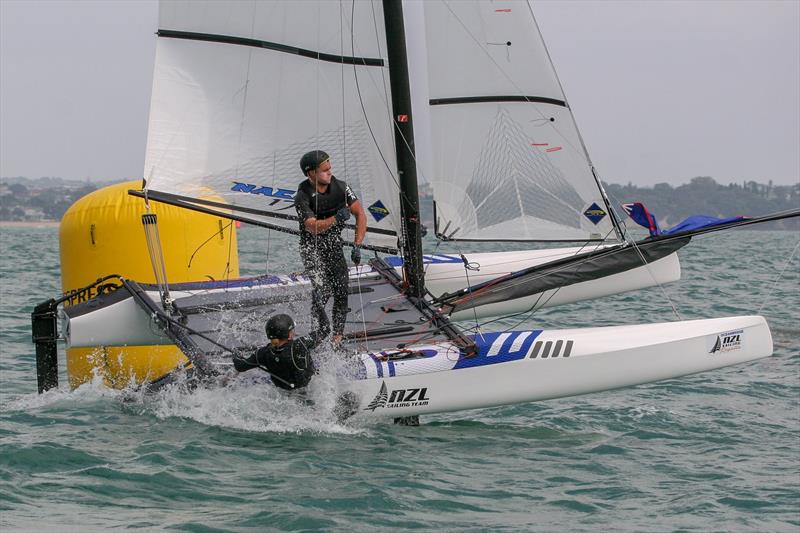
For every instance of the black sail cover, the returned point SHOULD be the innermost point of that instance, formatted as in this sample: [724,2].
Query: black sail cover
[564,272]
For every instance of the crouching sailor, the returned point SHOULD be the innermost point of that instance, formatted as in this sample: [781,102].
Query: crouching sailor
[287,360]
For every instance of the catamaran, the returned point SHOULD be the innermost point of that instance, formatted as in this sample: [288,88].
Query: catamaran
[242,89]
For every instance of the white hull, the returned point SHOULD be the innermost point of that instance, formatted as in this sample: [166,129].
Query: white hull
[125,324]
[599,359]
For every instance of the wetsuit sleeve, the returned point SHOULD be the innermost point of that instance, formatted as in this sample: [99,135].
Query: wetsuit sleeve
[313,339]
[243,364]
[302,203]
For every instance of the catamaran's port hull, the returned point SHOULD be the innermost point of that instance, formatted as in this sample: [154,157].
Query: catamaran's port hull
[516,367]
[122,322]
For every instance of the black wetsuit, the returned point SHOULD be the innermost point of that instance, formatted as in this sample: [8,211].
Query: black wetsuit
[322,254]
[290,364]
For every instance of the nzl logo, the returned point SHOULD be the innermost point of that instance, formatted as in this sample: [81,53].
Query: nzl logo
[279,194]
[398,398]
[727,342]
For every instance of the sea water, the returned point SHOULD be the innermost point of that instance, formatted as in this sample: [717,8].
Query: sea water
[716,451]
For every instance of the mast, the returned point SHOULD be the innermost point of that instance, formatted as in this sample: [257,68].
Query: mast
[404,145]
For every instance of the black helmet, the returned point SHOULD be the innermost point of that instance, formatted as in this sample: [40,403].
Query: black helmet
[279,326]
[312,160]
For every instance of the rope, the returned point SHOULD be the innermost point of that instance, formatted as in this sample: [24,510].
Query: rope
[780,275]
[228,349]
[191,258]
[154,250]
[467,267]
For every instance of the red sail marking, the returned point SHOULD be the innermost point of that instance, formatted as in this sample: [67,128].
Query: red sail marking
[540,144]
[507,10]
[556,149]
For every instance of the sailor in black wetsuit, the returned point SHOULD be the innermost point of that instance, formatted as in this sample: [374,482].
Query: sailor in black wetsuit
[324,204]
[288,360]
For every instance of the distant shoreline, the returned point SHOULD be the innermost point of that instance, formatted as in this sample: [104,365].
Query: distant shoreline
[55,223]
[29,223]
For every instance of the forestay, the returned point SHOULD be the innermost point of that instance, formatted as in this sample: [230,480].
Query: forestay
[509,163]
[242,89]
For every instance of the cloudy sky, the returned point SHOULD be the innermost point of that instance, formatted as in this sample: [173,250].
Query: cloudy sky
[662,91]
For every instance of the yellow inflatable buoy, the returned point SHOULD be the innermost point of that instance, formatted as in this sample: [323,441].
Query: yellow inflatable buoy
[102,234]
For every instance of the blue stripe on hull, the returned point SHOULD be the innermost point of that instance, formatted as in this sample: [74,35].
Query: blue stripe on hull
[501,354]
[438,259]
[378,366]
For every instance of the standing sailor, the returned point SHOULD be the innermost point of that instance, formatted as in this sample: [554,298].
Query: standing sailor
[324,204]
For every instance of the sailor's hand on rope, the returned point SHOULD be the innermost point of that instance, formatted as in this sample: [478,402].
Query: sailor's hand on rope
[343,215]
[355,255]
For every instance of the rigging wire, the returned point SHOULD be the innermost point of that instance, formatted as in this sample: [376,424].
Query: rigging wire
[615,219]
[506,75]
[636,248]
[529,312]
[386,103]
[230,252]
[396,126]
[269,230]
[241,135]
[467,267]
[566,140]
[225,348]
[777,279]
[503,72]
[344,151]
[315,258]
[522,281]
[631,241]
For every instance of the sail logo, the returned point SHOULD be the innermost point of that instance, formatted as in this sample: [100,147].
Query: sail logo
[728,341]
[398,398]
[273,192]
[594,213]
[378,211]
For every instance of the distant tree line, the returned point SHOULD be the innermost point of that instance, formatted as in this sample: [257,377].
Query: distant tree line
[20,202]
[49,198]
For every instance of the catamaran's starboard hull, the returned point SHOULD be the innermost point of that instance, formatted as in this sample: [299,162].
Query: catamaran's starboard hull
[527,366]
[120,321]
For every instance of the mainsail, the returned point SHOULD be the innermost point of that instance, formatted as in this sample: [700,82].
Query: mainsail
[509,163]
[242,89]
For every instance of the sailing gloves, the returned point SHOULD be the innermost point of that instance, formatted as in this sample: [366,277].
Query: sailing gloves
[343,215]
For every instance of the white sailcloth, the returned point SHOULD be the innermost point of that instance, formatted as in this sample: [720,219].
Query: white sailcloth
[242,89]
[509,163]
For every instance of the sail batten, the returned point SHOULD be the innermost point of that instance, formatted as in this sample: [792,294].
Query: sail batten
[278,47]
[498,98]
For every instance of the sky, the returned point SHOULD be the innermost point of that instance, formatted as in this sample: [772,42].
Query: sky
[662,91]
